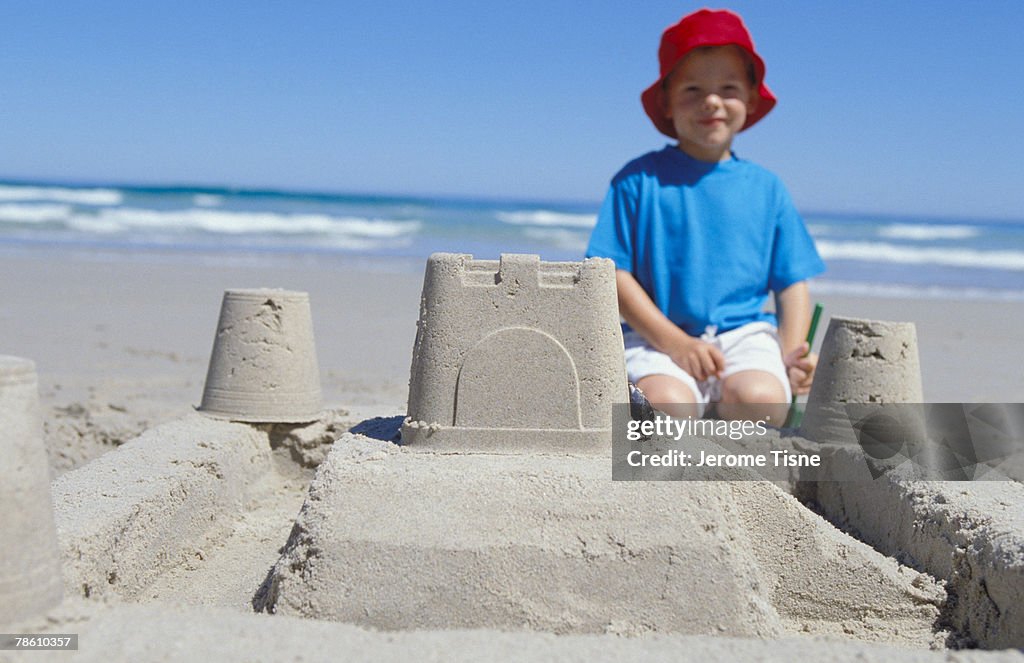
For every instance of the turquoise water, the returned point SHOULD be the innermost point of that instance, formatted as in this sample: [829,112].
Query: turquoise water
[866,254]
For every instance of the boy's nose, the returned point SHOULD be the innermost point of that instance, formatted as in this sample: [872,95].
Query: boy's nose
[712,101]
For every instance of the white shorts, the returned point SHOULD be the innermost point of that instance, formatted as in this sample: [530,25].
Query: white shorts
[752,347]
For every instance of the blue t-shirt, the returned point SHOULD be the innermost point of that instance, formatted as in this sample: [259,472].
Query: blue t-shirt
[707,241]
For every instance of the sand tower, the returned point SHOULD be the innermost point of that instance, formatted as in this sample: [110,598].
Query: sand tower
[865,367]
[30,572]
[263,366]
[516,354]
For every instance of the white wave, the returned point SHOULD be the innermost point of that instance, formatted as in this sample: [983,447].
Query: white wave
[884,252]
[361,243]
[563,239]
[207,200]
[818,229]
[925,232]
[96,197]
[236,223]
[864,289]
[95,224]
[547,218]
[376,228]
[15,213]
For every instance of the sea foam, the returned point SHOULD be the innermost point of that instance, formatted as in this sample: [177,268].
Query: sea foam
[927,232]
[236,223]
[19,213]
[547,218]
[61,195]
[912,255]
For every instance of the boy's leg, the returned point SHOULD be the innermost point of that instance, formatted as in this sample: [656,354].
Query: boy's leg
[670,395]
[666,386]
[753,395]
[755,385]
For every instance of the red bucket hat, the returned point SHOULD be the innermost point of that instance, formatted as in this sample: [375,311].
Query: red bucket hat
[703,28]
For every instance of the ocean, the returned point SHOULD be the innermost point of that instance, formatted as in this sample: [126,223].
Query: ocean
[872,255]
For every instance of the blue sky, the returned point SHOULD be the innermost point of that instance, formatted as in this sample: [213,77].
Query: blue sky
[906,107]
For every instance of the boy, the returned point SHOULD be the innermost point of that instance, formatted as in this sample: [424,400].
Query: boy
[699,237]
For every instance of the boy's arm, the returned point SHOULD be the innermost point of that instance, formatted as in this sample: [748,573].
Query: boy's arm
[794,312]
[699,359]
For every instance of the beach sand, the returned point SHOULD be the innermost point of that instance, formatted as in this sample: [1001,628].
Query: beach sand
[121,344]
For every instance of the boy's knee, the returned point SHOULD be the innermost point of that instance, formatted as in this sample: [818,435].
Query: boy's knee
[669,395]
[753,395]
[753,387]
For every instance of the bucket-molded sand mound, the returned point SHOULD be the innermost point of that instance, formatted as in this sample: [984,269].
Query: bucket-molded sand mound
[396,538]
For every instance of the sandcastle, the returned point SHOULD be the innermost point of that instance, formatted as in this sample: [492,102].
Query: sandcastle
[30,579]
[507,518]
[515,354]
[457,523]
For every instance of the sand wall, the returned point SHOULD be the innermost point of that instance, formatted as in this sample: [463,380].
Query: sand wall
[396,538]
[970,534]
[130,514]
[159,633]
[29,563]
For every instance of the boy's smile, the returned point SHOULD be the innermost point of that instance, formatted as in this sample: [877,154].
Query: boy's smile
[708,97]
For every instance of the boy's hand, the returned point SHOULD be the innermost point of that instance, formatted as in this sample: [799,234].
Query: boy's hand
[699,359]
[800,365]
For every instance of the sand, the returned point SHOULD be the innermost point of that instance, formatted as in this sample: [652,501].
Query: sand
[197,524]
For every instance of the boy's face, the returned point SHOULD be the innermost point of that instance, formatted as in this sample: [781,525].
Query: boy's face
[707,97]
